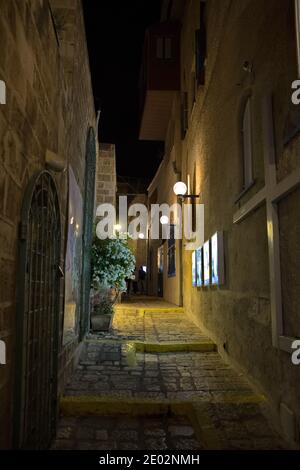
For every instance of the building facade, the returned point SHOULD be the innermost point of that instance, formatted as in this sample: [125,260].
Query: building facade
[232,135]
[47,176]
[135,191]
[106,178]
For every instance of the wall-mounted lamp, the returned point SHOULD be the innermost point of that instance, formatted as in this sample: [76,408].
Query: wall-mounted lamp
[141,236]
[180,189]
[164,220]
[117,227]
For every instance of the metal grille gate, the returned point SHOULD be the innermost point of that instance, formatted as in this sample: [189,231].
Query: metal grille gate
[38,315]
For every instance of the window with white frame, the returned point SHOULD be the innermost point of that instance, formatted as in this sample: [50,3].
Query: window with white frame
[247,145]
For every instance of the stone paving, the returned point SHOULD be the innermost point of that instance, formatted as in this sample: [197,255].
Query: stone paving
[126,433]
[131,323]
[109,368]
[104,368]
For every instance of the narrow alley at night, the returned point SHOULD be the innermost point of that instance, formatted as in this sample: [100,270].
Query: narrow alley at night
[149,232]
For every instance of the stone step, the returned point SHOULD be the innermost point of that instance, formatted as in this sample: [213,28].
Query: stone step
[160,347]
[199,413]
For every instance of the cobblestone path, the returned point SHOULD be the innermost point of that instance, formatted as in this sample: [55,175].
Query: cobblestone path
[126,433]
[111,369]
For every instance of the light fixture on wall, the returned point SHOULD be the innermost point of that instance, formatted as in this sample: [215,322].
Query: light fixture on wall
[141,236]
[117,229]
[180,189]
[164,220]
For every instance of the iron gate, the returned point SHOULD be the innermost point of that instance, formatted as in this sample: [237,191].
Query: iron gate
[38,315]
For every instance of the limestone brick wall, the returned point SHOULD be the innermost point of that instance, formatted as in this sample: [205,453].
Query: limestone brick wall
[238,315]
[49,107]
[106,179]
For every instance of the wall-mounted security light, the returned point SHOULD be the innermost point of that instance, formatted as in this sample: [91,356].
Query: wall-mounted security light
[141,236]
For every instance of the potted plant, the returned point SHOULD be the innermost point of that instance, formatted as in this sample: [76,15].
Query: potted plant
[112,263]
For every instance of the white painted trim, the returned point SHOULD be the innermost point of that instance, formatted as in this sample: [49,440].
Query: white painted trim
[272,222]
[286,186]
[272,193]
[2,92]
[256,201]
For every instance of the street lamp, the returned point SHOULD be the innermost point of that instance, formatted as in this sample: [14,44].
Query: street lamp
[164,220]
[180,189]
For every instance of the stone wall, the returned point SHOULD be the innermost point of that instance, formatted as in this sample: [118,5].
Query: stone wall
[106,178]
[238,315]
[49,107]
[162,188]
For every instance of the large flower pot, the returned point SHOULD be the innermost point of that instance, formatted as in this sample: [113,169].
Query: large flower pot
[100,322]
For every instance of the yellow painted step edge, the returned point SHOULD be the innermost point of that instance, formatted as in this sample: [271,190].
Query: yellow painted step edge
[200,346]
[82,405]
[147,347]
[145,310]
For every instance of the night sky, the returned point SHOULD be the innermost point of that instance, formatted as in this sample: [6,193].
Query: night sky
[115,34]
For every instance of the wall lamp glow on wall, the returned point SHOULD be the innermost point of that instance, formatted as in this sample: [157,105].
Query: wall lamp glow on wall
[180,189]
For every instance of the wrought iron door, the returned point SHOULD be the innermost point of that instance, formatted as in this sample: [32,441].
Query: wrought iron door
[38,315]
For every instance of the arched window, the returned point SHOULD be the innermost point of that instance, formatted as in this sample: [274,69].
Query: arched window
[246,131]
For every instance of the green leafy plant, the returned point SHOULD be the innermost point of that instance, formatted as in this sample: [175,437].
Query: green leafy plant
[112,262]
